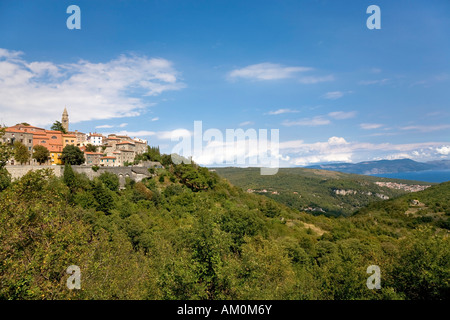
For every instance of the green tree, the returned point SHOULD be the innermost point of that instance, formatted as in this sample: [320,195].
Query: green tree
[91,148]
[103,197]
[73,155]
[110,180]
[422,271]
[5,150]
[166,160]
[152,154]
[21,153]
[57,126]
[69,176]
[5,179]
[40,154]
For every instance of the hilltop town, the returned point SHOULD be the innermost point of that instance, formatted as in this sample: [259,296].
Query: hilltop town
[99,150]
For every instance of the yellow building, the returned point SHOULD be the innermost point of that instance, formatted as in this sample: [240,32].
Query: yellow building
[69,139]
[55,157]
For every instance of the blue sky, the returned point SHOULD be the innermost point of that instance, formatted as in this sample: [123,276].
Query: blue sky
[336,90]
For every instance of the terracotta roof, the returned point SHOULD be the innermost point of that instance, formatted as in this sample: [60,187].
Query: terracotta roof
[22,125]
[16,131]
[53,131]
[109,157]
[95,153]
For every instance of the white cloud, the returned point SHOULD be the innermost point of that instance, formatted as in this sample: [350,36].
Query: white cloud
[282,111]
[37,91]
[311,122]
[246,123]
[266,71]
[444,150]
[333,95]
[320,120]
[338,149]
[300,153]
[370,126]
[177,133]
[140,133]
[155,119]
[107,126]
[422,128]
[160,135]
[335,141]
[341,115]
[316,79]
[371,82]
[9,54]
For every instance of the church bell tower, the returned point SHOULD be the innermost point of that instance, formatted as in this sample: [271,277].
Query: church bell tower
[65,120]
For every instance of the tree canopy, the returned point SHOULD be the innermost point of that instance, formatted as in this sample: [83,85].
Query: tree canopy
[91,148]
[199,237]
[40,154]
[57,126]
[72,155]
[21,153]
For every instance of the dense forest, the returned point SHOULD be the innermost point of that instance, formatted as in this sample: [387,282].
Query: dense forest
[186,233]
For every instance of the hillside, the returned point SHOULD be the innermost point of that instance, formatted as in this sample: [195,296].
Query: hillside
[186,233]
[384,166]
[319,191]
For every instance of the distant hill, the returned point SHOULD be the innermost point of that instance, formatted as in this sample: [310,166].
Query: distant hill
[384,166]
[319,191]
[430,206]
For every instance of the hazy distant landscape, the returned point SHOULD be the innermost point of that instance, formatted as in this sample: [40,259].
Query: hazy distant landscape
[319,191]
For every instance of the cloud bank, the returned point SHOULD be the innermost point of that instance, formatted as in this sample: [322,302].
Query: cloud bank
[37,91]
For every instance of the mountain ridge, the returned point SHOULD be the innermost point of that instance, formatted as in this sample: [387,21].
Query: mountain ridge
[383,166]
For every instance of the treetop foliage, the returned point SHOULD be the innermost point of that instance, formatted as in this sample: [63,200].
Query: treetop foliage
[196,236]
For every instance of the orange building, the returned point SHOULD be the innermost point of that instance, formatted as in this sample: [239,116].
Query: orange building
[53,141]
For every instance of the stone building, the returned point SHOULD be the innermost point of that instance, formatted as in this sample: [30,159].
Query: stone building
[92,158]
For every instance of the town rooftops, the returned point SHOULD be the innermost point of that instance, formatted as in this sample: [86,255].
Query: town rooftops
[13,130]
[126,142]
[24,126]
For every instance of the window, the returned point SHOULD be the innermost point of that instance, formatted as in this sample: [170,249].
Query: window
[43,141]
[29,140]
[54,137]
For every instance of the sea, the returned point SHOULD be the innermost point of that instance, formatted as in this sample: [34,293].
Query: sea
[436,176]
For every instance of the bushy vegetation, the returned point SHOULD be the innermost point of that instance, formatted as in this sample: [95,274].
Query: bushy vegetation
[195,236]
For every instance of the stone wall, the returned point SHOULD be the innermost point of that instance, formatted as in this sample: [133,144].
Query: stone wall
[134,173]
[19,171]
